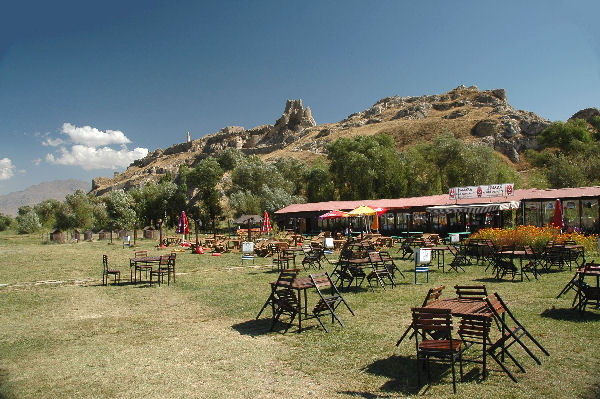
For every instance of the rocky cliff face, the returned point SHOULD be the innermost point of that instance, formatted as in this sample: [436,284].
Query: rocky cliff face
[484,117]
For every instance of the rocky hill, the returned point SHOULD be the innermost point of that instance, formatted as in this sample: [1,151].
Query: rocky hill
[484,117]
[58,189]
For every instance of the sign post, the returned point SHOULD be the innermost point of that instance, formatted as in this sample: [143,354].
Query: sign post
[422,261]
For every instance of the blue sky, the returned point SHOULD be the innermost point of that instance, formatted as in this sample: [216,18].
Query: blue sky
[86,87]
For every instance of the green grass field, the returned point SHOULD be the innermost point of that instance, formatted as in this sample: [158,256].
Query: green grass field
[64,335]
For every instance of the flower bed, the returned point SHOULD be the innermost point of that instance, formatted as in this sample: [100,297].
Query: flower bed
[536,237]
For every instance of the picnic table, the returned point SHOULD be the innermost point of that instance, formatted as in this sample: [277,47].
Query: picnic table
[462,307]
[168,241]
[437,250]
[142,262]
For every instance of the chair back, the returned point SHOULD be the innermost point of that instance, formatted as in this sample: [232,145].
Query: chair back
[141,254]
[474,328]
[429,320]
[375,257]
[433,295]
[495,304]
[286,277]
[248,247]
[471,291]
[104,263]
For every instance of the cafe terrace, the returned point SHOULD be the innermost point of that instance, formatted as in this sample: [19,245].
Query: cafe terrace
[440,214]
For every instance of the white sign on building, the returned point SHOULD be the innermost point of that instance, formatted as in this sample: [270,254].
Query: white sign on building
[471,192]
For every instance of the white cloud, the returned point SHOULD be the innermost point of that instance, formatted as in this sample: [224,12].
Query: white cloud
[7,169]
[92,137]
[37,161]
[96,158]
[50,142]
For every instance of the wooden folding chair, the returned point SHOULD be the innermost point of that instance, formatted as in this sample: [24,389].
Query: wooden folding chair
[312,258]
[471,291]
[285,279]
[161,271]
[575,281]
[586,294]
[379,271]
[504,262]
[533,264]
[512,332]
[407,250]
[390,264]
[141,266]
[435,322]
[107,271]
[327,304]
[432,295]
[475,330]
[286,302]
[459,260]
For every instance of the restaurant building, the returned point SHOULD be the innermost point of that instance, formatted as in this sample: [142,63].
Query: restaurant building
[440,214]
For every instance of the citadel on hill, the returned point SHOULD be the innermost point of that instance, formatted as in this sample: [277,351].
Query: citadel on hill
[472,115]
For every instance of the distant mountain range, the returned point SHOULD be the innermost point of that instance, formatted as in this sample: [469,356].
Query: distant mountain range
[57,189]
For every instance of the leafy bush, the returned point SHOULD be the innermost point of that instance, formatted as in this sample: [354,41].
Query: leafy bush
[536,237]
[28,222]
[5,222]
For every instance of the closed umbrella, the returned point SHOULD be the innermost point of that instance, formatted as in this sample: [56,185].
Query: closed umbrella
[266,225]
[557,218]
[183,226]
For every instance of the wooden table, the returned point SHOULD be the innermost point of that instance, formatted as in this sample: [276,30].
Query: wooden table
[578,251]
[142,261]
[440,249]
[462,307]
[351,268]
[301,285]
[580,274]
[465,307]
[172,240]
[338,244]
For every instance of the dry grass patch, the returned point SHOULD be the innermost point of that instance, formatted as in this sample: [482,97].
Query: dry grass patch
[199,337]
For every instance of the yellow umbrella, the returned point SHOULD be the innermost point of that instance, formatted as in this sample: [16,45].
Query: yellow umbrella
[362,211]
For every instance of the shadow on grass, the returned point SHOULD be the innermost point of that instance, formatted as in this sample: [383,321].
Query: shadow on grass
[495,280]
[593,393]
[570,314]
[402,374]
[4,394]
[253,328]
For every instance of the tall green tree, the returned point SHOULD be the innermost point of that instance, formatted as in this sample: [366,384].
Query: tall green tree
[319,184]
[256,181]
[28,221]
[46,211]
[569,136]
[5,221]
[205,177]
[366,167]
[119,207]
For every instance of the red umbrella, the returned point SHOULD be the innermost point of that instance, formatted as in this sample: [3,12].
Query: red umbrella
[266,226]
[557,218]
[334,215]
[380,211]
[182,226]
